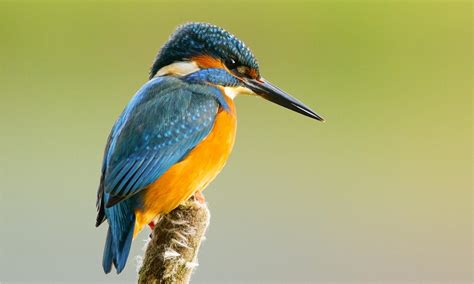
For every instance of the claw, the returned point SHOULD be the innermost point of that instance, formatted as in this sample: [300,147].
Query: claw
[199,197]
[152,225]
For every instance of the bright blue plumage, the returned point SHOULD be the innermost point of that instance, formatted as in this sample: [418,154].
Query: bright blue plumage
[165,120]
[200,38]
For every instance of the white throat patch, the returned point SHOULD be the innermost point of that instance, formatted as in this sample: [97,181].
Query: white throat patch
[232,92]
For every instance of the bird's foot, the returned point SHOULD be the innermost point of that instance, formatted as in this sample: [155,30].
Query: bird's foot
[199,197]
[152,225]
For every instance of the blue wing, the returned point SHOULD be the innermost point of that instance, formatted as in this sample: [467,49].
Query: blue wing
[163,122]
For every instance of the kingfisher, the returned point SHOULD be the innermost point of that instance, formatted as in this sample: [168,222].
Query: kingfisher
[176,133]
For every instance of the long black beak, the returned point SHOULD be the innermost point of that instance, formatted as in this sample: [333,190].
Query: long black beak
[274,94]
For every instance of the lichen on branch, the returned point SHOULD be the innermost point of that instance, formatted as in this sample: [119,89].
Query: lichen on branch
[171,254]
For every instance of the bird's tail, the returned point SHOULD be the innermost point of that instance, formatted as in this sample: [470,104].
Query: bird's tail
[117,248]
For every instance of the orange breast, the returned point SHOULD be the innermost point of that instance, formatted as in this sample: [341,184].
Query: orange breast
[192,174]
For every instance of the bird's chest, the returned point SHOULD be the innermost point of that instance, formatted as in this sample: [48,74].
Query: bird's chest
[207,159]
[193,173]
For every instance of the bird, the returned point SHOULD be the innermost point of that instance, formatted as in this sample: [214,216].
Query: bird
[177,132]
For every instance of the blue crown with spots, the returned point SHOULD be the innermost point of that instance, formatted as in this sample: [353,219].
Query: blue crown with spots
[195,39]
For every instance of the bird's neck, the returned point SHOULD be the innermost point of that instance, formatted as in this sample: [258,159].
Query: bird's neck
[191,72]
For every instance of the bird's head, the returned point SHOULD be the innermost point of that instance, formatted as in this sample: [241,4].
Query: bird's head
[197,46]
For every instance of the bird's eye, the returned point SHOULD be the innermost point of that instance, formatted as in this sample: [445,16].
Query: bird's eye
[231,63]
[237,68]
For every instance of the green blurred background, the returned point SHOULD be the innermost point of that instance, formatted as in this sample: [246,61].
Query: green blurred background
[381,192]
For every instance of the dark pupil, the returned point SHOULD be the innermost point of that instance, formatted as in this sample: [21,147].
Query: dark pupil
[231,63]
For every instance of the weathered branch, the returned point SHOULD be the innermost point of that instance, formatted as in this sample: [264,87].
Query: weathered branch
[171,254]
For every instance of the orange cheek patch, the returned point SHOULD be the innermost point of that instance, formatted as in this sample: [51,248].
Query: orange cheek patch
[253,73]
[206,61]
